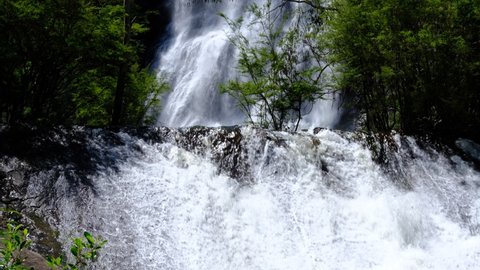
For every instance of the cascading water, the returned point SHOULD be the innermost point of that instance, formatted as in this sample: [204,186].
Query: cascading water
[199,58]
[299,201]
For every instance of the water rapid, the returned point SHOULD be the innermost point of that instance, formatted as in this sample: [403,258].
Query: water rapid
[298,201]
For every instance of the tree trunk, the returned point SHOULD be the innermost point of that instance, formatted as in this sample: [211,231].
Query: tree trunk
[118,103]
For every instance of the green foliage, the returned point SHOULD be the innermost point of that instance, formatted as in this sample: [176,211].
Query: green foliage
[412,65]
[282,68]
[142,102]
[13,239]
[84,250]
[61,60]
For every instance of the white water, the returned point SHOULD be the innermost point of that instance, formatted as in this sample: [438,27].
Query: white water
[170,209]
[199,58]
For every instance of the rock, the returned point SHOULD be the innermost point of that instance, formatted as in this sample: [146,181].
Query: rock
[32,259]
[317,130]
[469,147]
[17,177]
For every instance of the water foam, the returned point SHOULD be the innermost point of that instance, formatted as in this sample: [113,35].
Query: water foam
[314,202]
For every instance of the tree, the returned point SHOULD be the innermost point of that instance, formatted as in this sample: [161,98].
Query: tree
[37,68]
[281,71]
[118,105]
[412,65]
[65,62]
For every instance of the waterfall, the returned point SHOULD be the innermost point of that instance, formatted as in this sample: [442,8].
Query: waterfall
[244,198]
[296,201]
[199,57]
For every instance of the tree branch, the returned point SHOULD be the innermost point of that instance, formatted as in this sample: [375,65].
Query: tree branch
[310,3]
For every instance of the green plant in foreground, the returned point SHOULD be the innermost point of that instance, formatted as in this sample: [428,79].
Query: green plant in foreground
[84,251]
[13,239]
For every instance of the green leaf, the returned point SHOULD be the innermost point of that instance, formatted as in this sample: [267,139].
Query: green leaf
[89,238]
[74,250]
